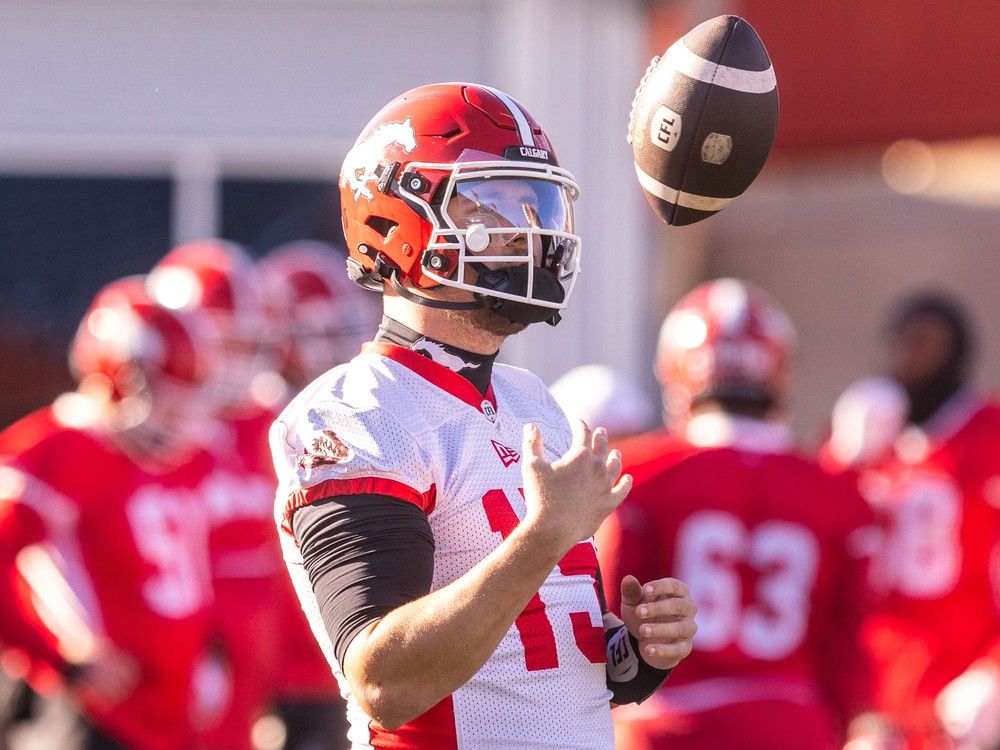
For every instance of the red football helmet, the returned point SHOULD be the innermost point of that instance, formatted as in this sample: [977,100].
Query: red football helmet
[326,317]
[457,184]
[727,340]
[152,363]
[221,279]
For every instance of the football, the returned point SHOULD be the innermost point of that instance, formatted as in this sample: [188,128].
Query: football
[703,120]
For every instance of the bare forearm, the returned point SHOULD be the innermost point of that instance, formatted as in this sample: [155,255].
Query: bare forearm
[423,651]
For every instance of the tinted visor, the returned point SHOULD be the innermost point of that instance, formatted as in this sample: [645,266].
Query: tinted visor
[511,202]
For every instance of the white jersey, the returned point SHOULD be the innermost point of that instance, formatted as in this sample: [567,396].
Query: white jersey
[393,422]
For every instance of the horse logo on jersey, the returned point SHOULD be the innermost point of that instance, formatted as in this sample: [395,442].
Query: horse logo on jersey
[507,455]
[435,351]
[361,162]
[326,449]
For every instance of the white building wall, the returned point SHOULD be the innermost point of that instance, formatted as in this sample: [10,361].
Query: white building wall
[200,89]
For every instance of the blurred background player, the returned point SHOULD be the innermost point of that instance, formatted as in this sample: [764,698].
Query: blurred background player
[935,636]
[761,535]
[102,528]
[274,661]
[605,397]
[326,316]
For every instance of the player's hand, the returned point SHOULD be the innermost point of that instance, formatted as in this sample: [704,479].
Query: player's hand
[660,614]
[570,497]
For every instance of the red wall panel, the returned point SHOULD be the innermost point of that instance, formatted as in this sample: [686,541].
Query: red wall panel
[856,72]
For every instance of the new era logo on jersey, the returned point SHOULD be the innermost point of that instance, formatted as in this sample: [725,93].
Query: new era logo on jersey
[507,455]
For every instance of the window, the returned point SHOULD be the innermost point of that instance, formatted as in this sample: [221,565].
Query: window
[261,214]
[61,239]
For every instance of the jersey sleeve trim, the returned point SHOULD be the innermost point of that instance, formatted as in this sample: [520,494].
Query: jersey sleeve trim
[358,486]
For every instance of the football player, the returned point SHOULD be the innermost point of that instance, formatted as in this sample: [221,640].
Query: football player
[935,635]
[763,537]
[324,317]
[273,658]
[103,541]
[436,507]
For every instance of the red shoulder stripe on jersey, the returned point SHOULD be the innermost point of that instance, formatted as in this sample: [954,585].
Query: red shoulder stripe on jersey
[434,728]
[359,486]
[437,374]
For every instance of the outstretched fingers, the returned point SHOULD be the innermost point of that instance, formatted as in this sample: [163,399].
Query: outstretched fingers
[621,489]
[613,464]
[599,441]
[532,444]
[582,435]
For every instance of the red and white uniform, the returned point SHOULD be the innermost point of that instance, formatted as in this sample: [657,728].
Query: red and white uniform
[393,422]
[266,636]
[937,499]
[131,543]
[763,539]
[240,497]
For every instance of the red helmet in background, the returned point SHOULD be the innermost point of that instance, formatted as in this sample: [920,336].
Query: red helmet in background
[456,184]
[219,278]
[726,340]
[326,318]
[154,364]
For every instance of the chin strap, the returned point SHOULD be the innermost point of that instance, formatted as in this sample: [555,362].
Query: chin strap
[503,280]
[428,302]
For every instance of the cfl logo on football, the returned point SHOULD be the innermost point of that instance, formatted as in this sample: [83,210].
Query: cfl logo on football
[665,128]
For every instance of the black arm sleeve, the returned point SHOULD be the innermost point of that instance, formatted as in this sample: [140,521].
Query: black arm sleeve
[365,556]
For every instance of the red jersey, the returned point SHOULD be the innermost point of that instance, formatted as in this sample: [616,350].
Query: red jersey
[271,651]
[937,500]
[130,540]
[763,538]
[240,496]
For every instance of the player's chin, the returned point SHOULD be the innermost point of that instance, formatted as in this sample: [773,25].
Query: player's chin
[496,324]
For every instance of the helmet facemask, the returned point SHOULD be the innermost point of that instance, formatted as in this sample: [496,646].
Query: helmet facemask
[504,231]
[167,420]
[245,348]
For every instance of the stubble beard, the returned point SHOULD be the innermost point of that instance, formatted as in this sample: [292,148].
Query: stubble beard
[483,320]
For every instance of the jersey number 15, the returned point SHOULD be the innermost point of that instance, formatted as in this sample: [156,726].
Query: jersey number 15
[533,624]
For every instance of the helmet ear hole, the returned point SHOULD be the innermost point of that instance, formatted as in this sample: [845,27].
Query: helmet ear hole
[381,225]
